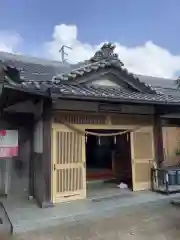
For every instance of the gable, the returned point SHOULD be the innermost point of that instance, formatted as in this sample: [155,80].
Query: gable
[108,79]
[104,82]
[104,61]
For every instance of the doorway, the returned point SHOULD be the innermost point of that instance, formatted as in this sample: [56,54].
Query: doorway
[108,163]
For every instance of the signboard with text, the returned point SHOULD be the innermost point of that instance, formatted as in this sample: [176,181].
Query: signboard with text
[8,143]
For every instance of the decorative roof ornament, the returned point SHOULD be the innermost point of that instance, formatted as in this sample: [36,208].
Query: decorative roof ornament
[106,52]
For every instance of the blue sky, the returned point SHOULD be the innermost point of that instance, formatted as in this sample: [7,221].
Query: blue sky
[129,22]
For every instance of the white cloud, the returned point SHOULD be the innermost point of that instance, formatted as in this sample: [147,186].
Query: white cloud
[148,59]
[9,41]
[67,35]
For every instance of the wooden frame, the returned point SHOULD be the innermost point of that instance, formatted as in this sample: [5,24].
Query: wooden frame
[138,158]
[107,125]
[171,143]
[68,169]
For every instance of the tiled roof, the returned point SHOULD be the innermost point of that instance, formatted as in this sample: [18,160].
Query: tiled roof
[102,64]
[39,70]
[59,79]
[158,82]
[104,58]
[100,92]
[161,85]
[35,69]
[97,92]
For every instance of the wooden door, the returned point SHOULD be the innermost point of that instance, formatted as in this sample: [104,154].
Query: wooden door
[171,144]
[68,168]
[142,151]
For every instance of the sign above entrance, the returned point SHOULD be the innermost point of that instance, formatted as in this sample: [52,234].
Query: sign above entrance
[8,143]
[113,108]
[122,108]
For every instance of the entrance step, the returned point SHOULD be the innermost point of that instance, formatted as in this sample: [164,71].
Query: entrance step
[118,195]
[5,224]
[110,197]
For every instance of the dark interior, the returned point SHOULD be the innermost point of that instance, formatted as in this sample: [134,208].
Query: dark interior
[108,157]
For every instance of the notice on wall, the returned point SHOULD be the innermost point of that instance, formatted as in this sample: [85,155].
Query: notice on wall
[8,143]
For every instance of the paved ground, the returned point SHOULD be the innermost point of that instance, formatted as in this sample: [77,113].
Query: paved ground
[158,221]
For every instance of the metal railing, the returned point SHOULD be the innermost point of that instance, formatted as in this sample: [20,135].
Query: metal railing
[165,181]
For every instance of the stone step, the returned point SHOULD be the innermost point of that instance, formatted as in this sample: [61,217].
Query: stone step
[5,224]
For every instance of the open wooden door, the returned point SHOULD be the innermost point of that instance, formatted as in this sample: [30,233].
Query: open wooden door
[171,144]
[142,151]
[68,168]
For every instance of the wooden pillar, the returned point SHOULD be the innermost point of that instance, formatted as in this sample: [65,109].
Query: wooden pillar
[46,158]
[31,161]
[42,158]
[158,140]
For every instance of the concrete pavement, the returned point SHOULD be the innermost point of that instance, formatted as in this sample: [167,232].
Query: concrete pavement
[157,221]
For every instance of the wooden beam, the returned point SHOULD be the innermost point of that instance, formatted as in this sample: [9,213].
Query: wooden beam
[69,105]
[94,107]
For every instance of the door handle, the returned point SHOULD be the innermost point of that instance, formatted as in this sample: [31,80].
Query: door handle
[54,167]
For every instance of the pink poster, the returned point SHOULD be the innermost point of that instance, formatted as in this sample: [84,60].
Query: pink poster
[8,143]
